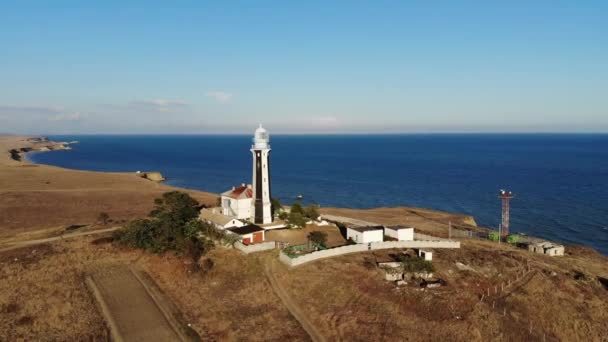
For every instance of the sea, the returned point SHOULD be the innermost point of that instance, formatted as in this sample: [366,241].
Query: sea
[560,181]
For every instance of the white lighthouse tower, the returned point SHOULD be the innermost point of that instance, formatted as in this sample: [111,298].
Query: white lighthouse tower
[261,208]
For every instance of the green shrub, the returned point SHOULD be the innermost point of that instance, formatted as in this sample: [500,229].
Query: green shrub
[173,226]
[312,212]
[296,220]
[318,237]
[297,208]
[513,239]
[493,236]
[415,264]
[276,205]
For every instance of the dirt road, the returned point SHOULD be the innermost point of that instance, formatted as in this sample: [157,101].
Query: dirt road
[130,310]
[17,244]
[293,307]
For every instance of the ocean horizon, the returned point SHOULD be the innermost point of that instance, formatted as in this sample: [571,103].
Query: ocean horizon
[559,180]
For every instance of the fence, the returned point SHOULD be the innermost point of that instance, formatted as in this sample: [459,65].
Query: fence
[424,237]
[332,252]
[494,296]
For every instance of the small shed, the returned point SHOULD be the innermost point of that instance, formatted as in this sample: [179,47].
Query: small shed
[400,233]
[425,254]
[365,234]
[249,234]
[547,248]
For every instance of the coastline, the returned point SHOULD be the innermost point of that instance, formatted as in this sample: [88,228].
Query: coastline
[428,220]
[42,197]
[37,196]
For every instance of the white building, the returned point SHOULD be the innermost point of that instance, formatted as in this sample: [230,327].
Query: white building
[425,254]
[237,202]
[365,234]
[400,233]
[218,220]
[547,248]
[261,209]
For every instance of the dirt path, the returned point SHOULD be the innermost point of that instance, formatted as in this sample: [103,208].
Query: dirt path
[17,244]
[294,309]
[131,311]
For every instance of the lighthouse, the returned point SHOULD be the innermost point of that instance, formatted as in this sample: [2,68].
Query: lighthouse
[261,208]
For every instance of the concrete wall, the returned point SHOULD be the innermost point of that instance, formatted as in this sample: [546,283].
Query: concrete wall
[328,253]
[258,247]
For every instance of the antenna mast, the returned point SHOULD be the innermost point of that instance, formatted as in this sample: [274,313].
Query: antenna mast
[505,196]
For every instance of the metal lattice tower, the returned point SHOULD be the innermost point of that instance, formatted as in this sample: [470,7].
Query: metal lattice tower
[505,196]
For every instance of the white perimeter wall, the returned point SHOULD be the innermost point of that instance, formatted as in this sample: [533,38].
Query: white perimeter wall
[328,253]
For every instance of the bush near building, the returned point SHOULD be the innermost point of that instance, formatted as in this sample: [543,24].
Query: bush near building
[493,236]
[415,264]
[172,225]
[298,215]
[318,237]
[513,239]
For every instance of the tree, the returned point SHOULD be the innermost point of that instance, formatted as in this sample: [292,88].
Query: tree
[173,226]
[218,202]
[297,208]
[103,217]
[276,205]
[175,207]
[283,215]
[318,237]
[296,220]
[312,212]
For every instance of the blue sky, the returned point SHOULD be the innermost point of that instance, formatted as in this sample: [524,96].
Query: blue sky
[300,67]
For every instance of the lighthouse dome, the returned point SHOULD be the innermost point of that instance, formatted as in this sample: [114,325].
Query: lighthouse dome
[261,138]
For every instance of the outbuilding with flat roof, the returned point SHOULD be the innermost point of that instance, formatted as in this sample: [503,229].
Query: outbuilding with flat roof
[365,234]
[249,234]
[400,233]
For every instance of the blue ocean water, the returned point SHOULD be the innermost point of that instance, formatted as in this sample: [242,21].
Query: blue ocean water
[560,180]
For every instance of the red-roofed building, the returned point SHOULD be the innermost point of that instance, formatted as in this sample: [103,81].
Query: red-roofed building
[236,202]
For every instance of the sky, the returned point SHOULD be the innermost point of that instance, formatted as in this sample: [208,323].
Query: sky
[142,67]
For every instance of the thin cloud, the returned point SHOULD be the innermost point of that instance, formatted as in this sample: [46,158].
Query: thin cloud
[158,105]
[75,116]
[50,113]
[220,96]
[20,110]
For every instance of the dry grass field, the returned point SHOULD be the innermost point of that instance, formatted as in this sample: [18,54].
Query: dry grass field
[348,298]
[43,295]
[425,220]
